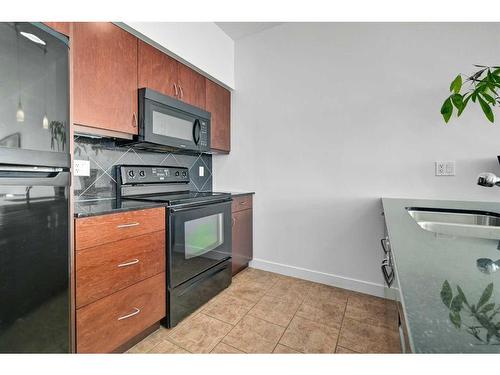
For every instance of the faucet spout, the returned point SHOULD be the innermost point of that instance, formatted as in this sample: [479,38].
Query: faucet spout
[488,179]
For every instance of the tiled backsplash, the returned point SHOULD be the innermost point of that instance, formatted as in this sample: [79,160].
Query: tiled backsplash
[104,154]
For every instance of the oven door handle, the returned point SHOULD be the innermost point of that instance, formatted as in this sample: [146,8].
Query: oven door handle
[196,205]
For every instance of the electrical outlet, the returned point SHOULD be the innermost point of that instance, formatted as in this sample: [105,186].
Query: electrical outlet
[81,168]
[445,168]
[201,171]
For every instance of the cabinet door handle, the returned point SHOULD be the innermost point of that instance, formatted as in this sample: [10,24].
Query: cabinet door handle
[233,221]
[175,90]
[136,311]
[127,225]
[182,91]
[134,120]
[133,261]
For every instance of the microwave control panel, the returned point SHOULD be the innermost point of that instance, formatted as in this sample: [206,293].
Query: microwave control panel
[203,133]
[140,174]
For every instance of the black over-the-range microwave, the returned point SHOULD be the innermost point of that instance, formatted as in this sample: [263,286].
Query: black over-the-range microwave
[168,124]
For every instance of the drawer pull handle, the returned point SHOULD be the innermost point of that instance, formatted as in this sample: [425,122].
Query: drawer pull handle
[243,202]
[136,311]
[127,225]
[133,261]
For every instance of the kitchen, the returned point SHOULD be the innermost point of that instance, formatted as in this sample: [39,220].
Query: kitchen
[148,205]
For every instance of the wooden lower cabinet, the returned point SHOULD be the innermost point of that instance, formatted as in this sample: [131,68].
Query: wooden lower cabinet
[105,325]
[105,269]
[242,238]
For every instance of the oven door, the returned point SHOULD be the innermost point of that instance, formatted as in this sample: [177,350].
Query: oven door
[199,238]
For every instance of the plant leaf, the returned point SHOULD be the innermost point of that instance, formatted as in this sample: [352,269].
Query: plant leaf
[462,294]
[456,319]
[464,104]
[447,110]
[456,303]
[489,98]
[487,111]
[456,85]
[488,307]
[486,295]
[446,293]
[458,101]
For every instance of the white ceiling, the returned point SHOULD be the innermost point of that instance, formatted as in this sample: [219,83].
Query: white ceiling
[238,30]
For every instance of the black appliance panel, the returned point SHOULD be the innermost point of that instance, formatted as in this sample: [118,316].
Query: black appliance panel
[34,262]
[186,298]
[172,124]
[145,174]
[199,238]
[34,92]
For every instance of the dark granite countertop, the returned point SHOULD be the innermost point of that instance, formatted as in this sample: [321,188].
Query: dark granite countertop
[108,206]
[239,193]
[450,304]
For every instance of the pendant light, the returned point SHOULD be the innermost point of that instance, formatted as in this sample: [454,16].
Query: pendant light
[45,120]
[20,111]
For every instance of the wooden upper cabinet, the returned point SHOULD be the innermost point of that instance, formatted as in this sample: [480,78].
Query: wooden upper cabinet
[162,73]
[104,77]
[192,86]
[218,103]
[61,27]
[157,70]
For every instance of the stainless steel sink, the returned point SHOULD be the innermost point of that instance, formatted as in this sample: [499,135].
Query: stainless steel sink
[463,223]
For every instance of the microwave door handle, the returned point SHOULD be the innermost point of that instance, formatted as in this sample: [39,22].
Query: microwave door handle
[196,131]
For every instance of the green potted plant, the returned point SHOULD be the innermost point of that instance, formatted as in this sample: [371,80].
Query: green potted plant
[481,87]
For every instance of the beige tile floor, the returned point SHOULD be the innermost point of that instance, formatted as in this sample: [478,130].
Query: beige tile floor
[263,312]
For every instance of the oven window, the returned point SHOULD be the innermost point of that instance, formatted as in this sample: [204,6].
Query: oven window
[171,126]
[203,235]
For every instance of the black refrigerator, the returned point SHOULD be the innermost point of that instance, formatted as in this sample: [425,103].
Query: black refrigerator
[34,190]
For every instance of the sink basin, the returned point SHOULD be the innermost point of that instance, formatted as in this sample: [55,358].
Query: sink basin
[463,223]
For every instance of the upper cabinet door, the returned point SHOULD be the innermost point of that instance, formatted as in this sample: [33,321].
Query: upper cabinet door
[157,70]
[219,105]
[192,86]
[104,77]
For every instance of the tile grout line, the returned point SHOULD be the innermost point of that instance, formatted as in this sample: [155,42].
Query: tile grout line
[294,315]
[342,325]
[241,320]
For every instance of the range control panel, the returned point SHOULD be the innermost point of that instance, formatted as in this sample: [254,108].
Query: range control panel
[140,174]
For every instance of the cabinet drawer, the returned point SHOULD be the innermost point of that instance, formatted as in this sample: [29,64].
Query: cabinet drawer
[105,269]
[97,230]
[108,323]
[242,202]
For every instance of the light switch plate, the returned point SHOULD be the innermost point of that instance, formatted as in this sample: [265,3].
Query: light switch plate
[445,168]
[201,171]
[81,168]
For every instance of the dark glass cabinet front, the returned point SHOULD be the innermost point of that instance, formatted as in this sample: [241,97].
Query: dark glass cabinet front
[200,238]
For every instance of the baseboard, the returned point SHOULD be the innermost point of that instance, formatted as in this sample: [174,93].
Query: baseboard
[361,286]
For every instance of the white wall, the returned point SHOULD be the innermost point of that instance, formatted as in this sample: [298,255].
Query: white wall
[201,44]
[328,118]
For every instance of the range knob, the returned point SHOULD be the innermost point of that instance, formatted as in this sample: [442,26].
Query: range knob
[142,174]
[184,174]
[131,174]
[177,174]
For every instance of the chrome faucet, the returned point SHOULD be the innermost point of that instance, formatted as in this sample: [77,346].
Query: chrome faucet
[488,179]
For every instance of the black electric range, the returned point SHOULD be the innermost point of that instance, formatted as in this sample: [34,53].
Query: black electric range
[199,240]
